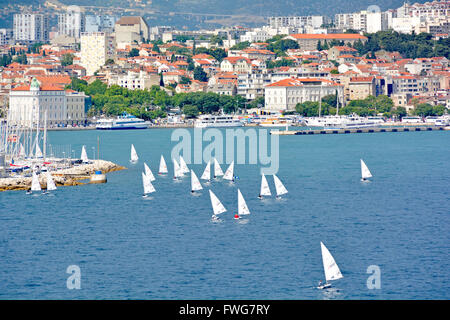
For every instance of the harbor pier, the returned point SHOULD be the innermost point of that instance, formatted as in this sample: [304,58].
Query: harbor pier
[362,130]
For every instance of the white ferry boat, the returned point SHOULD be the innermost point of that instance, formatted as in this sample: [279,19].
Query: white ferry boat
[341,122]
[123,122]
[438,121]
[412,120]
[221,121]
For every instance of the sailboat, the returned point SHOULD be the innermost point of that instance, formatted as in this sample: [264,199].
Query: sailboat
[183,166]
[330,268]
[281,189]
[50,183]
[22,151]
[134,157]
[242,206]
[218,207]
[149,172]
[265,190]
[38,153]
[195,183]
[207,173]
[148,187]
[229,174]
[176,170]
[365,172]
[35,185]
[217,169]
[163,166]
[84,156]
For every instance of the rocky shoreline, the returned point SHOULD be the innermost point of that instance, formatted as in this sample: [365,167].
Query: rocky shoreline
[65,177]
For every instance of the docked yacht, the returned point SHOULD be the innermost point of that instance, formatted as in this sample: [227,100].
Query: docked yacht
[221,121]
[123,122]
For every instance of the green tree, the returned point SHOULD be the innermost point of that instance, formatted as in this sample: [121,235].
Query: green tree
[190,111]
[257,103]
[133,53]
[200,75]
[67,59]
[241,45]
[424,110]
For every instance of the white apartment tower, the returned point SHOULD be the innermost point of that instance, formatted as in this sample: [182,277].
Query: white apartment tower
[96,49]
[30,27]
[72,23]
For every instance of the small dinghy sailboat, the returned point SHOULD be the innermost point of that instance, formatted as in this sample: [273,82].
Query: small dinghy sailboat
[365,172]
[265,190]
[217,206]
[242,206]
[133,157]
[330,267]
[195,183]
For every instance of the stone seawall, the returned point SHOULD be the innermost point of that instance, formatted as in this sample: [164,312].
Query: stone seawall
[64,177]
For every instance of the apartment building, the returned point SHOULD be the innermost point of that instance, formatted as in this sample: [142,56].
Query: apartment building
[96,49]
[29,27]
[72,24]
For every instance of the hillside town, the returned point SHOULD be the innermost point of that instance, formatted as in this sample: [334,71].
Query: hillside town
[391,64]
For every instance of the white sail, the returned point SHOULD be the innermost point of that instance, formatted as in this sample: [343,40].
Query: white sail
[330,267]
[176,169]
[149,172]
[22,151]
[35,185]
[50,182]
[265,190]
[229,174]
[242,206]
[207,173]
[195,183]
[218,207]
[365,172]
[217,169]
[134,157]
[279,186]
[38,153]
[84,156]
[163,166]
[148,187]
[183,166]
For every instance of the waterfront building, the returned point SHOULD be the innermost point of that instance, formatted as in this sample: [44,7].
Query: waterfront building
[29,103]
[285,94]
[75,106]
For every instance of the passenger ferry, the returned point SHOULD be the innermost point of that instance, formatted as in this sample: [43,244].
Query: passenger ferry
[123,122]
[341,122]
[221,121]
[412,120]
[438,121]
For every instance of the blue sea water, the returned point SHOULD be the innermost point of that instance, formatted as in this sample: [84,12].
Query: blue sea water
[167,247]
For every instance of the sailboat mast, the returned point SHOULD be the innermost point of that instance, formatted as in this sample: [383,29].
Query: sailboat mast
[320,99]
[45,135]
[98,148]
